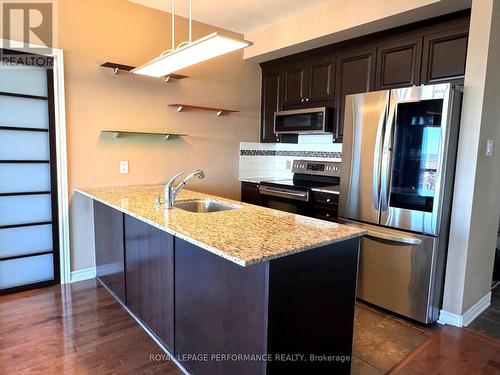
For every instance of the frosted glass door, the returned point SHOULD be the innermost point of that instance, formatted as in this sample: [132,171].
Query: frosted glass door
[28,197]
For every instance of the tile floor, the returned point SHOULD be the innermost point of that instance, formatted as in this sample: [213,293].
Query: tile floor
[381,340]
[489,321]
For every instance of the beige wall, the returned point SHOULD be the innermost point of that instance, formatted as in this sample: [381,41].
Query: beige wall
[338,20]
[94,31]
[476,205]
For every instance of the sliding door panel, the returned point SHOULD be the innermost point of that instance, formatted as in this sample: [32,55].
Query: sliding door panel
[25,240]
[23,145]
[18,178]
[22,271]
[23,80]
[23,112]
[29,240]
[23,209]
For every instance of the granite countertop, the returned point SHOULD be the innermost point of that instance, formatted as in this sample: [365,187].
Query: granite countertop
[248,235]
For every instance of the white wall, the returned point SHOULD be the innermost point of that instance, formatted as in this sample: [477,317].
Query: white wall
[338,20]
[476,205]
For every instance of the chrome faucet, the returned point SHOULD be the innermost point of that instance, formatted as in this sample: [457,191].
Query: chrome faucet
[171,191]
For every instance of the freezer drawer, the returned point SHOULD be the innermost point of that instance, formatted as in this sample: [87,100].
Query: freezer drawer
[397,272]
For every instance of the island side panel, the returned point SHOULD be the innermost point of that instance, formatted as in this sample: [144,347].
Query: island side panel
[149,259]
[220,308]
[109,251]
[311,309]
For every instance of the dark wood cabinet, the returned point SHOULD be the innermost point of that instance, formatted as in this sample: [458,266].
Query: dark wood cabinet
[326,205]
[250,193]
[220,308]
[321,77]
[150,277]
[270,103]
[444,56]
[294,85]
[355,74]
[309,82]
[109,251]
[429,52]
[398,64]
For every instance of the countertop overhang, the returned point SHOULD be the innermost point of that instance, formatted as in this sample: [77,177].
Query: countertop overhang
[245,236]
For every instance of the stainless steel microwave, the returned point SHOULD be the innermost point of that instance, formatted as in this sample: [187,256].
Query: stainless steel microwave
[304,121]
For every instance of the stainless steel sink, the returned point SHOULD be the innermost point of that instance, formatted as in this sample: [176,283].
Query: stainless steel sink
[204,206]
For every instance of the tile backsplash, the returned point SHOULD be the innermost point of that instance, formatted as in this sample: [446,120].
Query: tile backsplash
[274,160]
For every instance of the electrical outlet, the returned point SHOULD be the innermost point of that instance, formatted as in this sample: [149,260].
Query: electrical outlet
[489,147]
[124,166]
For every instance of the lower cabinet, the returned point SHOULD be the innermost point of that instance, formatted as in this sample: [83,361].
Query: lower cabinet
[149,254]
[109,251]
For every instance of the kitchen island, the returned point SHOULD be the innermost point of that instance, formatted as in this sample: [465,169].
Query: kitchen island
[248,290]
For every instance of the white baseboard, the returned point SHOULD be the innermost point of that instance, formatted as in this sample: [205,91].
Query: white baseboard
[83,274]
[446,317]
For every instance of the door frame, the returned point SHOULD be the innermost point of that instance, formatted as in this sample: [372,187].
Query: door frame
[61,151]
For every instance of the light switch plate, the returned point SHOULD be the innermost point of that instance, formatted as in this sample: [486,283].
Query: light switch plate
[124,166]
[489,147]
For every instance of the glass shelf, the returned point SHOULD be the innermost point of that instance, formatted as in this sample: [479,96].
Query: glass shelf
[126,133]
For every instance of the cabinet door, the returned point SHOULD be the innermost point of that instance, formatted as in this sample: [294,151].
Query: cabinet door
[150,277]
[270,103]
[398,64]
[109,252]
[444,56]
[294,81]
[320,80]
[250,193]
[355,74]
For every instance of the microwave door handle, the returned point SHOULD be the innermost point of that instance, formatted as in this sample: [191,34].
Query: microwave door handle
[386,156]
[390,237]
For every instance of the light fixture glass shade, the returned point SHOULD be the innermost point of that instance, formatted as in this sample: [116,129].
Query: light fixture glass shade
[206,48]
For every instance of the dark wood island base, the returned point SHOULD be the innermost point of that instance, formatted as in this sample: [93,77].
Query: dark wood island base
[288,315]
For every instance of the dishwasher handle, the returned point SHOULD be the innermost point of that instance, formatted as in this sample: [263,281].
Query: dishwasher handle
[390,237]
[282,193]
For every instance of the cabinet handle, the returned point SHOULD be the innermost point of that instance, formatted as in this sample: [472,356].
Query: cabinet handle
[307,99]
[302,100]
[328,200]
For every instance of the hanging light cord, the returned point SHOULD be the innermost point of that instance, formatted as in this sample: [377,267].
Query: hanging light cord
[190,22]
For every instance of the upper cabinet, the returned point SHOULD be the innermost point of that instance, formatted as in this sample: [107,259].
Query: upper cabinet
[432,52]
[355,74]
[309,82]
[398,64]
[271,102]
[444,56]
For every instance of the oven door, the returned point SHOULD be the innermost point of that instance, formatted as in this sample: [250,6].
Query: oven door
[303,121]
[290,200]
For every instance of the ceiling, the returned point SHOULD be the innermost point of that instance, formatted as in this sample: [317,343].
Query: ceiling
[241,16]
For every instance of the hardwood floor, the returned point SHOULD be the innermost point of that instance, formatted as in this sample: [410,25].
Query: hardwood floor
[453,351]
[81,329]
[74,329]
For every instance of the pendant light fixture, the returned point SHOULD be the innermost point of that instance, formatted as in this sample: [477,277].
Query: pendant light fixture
[189,53]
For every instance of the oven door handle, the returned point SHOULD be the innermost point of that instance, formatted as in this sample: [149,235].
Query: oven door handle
[298,196]
[390,237]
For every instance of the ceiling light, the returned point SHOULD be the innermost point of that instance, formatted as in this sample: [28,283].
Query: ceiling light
[190,53]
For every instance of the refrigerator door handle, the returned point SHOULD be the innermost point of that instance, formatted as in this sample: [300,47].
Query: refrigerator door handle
[390,237]
[376,161]
[386,156]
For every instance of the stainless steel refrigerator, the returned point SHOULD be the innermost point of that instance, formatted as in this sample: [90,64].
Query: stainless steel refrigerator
[398,162]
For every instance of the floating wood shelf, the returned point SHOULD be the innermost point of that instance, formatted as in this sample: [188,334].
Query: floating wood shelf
[218,111]
[122,133]
[127,68]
